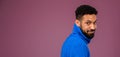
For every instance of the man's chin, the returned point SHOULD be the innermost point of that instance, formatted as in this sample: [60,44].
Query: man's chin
[90,36]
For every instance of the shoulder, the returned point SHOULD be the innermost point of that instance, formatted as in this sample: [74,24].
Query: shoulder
[74,40]
[74,46]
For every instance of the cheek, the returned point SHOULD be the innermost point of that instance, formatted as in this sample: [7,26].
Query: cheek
[85,28]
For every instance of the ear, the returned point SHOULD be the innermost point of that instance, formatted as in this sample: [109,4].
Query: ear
[77,22]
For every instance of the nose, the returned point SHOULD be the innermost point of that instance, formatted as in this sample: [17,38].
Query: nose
[93,27]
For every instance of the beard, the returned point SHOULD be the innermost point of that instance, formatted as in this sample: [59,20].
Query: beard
[87,34]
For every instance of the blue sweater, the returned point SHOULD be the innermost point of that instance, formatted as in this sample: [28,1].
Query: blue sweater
[76,44]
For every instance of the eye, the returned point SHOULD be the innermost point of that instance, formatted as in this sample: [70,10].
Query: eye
[94,22]
[88,23]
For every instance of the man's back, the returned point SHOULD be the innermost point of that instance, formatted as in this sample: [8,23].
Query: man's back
[75,45]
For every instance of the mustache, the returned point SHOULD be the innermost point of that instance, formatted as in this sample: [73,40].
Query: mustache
[92,30]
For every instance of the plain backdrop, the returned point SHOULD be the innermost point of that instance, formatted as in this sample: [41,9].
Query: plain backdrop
[38,28]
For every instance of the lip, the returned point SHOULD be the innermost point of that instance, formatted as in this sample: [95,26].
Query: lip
[92,32]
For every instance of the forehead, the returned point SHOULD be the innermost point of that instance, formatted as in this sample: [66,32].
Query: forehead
[90,17]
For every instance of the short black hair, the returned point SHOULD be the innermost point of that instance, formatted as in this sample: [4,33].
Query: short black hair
[85,9]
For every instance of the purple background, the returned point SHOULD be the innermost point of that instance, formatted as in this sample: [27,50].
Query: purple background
[38,28]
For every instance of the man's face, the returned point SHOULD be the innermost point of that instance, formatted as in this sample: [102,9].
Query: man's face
[88,25]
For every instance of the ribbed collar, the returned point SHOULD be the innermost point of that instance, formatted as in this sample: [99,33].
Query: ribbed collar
[77,30]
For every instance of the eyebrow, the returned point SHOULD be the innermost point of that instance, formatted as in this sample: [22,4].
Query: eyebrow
[91,21]
[96,20]
[88,21]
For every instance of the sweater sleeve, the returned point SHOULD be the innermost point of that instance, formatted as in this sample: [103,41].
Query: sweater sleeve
[80,51]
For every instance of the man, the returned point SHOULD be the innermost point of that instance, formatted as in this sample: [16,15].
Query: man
[83,31]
